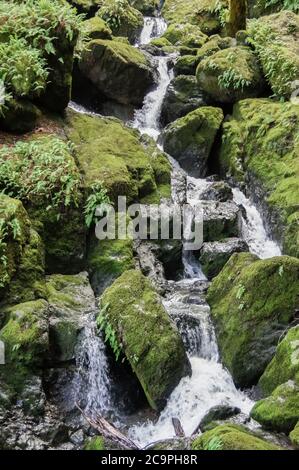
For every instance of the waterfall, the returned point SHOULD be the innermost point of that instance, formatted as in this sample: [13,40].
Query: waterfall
[153,27]
[92,383]
[253,229]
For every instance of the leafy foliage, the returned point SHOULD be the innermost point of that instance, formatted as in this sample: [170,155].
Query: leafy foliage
[231,79]
[292,5]
[113,12]
[97,197]
[40,171]
[110,334]
[214,443]
[8,229]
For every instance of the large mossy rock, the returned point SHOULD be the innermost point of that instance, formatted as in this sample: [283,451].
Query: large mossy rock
[70,299]
[279,411]
[96,28]
[248,326]
[231,437]
[182,96]
[285,364]
[42,173]
[230,75]
[185,34]
[149,339]
[117,70]
[26,338]
[260,149]
[215,44]
[147,7]
[21,253]
[20,116]
[110,152]
[190,139]
[294,436]
[276,40]
[198,12]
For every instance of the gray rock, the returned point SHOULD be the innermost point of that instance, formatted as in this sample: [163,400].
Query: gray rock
[220,412]
[182,96]
[214,255]
[220,220]
[218,191]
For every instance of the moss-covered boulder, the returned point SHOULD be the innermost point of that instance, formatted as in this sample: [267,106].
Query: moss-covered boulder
[248,326]
[185,34]
[21,253]
[285,364]
[189,139]
[276,40]
[110,152]
[96,28]
[200,12]
[70,298]
[146,335]
[129,70]
[230,75]
[186,65]
[294,436]
[259,148]
[26,339]
[182,96]
[107,260]
[122,18]
[19,116]
[214,255]
[231,437]
[215,44]
[279,411]
[42,173]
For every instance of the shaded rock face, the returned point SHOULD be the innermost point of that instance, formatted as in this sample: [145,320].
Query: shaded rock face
[149,339]
[220,220]
[248,347]
[261,161]
[217,191]
[129,70]
[285,364]
[230,75]
[183,96]
[214,255]
[231,437]
[189,139]
[217,413]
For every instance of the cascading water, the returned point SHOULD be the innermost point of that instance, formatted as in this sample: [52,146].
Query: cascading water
[154,27]
[253,229]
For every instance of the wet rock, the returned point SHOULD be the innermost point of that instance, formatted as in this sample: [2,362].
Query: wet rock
[77,438]
[129,70]
[149,263]
[214,255]
[189,139]
[220,220]
[186,65]
[156,353]
[33,398]
[70,299]
[221,412]
[248,347]
[171,444]
[182,96]
[230,75]
[217,191]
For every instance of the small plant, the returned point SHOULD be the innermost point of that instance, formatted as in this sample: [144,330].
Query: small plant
[230,79]
[281,271]
[113,12]
[215,443]
[240,292]
[109,332]
[97,197]
[8,229]
[280,4]
[41,172]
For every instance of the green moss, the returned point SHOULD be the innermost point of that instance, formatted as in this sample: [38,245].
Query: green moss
[231,437]
[294,436]
[248,326]
[147,7]
[25,336]
[185,35]
[285,364]
[230,75]
[280,411]
[95,443]
[186,65]
[215,44]
[148,338]
[110,152]
[275,39]
[96,28]
[122,18]
[260,143]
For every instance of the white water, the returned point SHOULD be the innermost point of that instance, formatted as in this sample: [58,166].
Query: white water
[153,27]
[253,229]
[92,381]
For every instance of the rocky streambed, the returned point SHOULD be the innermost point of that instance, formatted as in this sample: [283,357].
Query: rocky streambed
[166,108]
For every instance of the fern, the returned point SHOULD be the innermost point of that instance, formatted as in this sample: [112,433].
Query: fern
[97,197]
[109,332]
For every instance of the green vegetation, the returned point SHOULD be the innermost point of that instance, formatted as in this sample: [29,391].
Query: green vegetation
[97,197]
[122,18]
[110,335]
[275,5]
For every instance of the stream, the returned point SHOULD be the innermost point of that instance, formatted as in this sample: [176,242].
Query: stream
[210,383]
